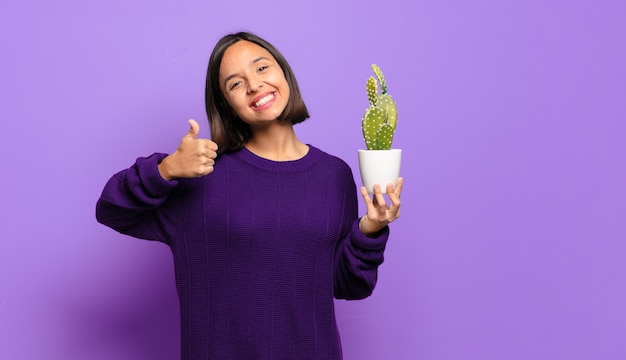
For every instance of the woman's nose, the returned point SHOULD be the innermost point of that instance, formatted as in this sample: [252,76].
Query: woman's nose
[254,86]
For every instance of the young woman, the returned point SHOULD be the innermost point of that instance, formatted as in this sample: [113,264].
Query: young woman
[263,228]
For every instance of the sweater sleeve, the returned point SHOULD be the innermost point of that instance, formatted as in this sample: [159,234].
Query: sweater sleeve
[131,198]
[357,257]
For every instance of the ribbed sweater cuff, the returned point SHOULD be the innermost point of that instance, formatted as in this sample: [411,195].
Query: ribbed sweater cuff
[369,243]
[151,179]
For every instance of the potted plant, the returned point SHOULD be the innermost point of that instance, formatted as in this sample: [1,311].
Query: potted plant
[379,164]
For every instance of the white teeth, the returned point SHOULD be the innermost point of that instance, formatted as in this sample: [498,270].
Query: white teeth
[264,100]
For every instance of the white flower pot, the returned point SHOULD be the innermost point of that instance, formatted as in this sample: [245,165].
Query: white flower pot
[379,167]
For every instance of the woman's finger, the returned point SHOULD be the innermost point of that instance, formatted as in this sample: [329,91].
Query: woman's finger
[399,186]
[366,197]
[379,201]
[394,195]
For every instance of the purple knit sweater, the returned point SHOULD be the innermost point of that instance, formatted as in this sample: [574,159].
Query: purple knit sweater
[260,250]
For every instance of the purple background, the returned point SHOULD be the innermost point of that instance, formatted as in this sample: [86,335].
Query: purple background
[512,118]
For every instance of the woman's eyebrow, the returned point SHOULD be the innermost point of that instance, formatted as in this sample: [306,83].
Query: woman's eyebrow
[258,59]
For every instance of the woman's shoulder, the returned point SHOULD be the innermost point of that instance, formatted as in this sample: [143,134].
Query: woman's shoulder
[333,161]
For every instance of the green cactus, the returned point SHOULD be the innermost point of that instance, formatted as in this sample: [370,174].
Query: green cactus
[379,120]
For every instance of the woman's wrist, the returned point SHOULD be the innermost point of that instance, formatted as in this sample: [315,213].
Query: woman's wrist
[367,228]
[164,169]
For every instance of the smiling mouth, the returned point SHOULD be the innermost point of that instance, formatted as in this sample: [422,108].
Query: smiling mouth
[264,100]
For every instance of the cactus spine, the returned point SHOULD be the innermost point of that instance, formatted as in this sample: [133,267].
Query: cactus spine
[379,120]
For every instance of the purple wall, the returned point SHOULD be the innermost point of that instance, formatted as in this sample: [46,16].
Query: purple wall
[512,240]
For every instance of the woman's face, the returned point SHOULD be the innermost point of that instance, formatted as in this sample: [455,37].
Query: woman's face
[253,83]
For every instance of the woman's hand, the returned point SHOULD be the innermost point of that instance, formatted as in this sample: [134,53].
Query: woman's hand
[379,214]
[193,158]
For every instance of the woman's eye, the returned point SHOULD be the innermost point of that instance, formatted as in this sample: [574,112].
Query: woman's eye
[262,68]
[235,84]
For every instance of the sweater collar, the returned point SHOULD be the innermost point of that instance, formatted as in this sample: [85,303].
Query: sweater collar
[304,163]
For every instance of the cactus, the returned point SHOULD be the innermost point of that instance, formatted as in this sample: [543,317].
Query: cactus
[379,120]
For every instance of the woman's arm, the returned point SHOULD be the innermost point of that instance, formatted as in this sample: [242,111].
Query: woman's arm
[130,200]
[360,251]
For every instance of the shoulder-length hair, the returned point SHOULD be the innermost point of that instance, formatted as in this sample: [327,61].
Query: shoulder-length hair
[227,130]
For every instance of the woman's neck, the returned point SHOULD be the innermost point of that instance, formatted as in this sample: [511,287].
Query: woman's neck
[277,142]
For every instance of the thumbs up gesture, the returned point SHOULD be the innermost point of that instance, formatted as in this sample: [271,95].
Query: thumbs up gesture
[193,158]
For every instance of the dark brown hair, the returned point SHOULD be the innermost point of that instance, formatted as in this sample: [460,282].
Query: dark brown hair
[227,130]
